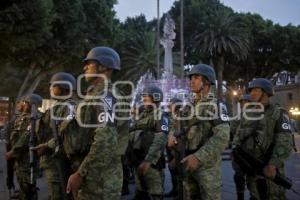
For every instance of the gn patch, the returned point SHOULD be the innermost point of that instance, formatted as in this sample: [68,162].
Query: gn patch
[164,123]
[283,123]
[222,115]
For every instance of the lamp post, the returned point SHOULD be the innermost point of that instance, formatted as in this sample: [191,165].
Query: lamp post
[158,41]
[181,40]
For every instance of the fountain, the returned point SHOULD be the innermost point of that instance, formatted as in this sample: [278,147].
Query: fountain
[169,84]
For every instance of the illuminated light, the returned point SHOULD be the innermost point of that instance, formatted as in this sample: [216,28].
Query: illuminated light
[294,111]
[234,93]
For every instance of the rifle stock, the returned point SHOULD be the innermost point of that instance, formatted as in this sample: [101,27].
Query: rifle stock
[251,165]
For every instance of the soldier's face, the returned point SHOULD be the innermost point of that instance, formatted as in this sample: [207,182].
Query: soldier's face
[19,106]
[256,94]
[147,100]
[26,107]
[90,69]
[55,91]
[196,83]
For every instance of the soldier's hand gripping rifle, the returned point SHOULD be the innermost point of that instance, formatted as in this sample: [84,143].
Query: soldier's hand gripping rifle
[253,166]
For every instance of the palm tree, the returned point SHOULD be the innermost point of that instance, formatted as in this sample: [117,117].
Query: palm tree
[222,36]
[140,56]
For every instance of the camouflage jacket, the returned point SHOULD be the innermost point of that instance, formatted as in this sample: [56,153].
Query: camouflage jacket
[97,116]
[149,135]
[19,138]
[61,110]
[207,131]
[268,138]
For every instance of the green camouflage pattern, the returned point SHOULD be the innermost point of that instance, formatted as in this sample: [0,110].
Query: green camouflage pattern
[206,139]
[19,140]
[147,143]
[53,163]
[272,142]
[101,168]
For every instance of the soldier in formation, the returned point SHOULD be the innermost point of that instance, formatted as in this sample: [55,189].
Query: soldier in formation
[148,138]
[266,135]
[207,135]
[20,138]
[81,143]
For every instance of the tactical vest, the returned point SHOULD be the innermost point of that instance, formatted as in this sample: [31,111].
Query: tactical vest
[199,130]
[257,136]
[141,137]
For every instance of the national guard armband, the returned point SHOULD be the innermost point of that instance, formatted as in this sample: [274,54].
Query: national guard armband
[283,123]
[222,114]
[163,125]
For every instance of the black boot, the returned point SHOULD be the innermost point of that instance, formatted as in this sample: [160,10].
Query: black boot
[140,195]
[156,197]
[240,183]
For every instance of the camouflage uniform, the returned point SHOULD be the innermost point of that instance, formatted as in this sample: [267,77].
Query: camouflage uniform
[101,169]
[19,139]
[7,130]
[54,163]
[147,142]
[206,139]
[272,143]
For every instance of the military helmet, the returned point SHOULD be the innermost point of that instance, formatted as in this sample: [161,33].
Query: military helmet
[245,97]
[177,103]
[62,77]
[204,70]
[33,99]
[264,84]
[106,56]
[175,100]
[154,92]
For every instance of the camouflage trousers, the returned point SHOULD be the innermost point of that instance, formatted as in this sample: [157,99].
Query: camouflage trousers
[203,184]
[152,182]
[263,189]
[103,185]
[27,191]
[55,186]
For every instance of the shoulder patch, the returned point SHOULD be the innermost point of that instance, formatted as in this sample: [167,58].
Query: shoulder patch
[222,114]
[164,123]
[283,123]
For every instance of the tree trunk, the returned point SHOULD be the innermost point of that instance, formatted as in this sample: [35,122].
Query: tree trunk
[27,78]
[220,67]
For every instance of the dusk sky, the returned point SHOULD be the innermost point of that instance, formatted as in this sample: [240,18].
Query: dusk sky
[279,11]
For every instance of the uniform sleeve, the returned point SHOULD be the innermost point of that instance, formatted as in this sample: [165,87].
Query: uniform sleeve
[101,151]
[215,144]
[159,141]
[283,141]
[218,141]
[234,126]
[21,146]
[6,133]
